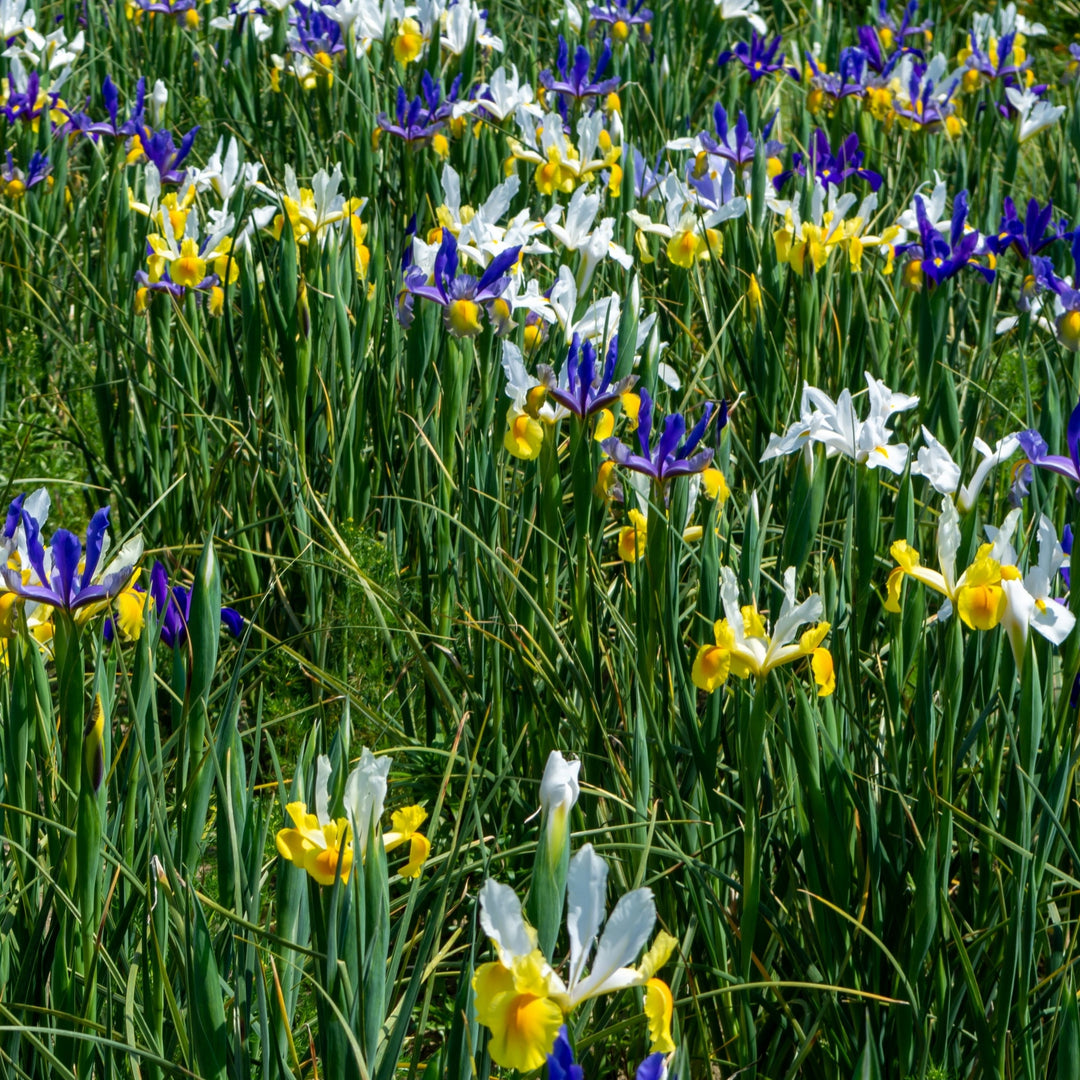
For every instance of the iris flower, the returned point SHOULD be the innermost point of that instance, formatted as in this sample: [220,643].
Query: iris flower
[998,58]
[15,183]
[587,389]
[66,577]
[113,126]
[1035,450]
[832,168]
[759,57]
[1027,235]
[744,648]
[1029,601]
[318,843]
[674,454]
[176,603]
[937,465]
[835,424]
[892,35]
[503,95]
[976,594]
[622,18]
[801,243]
[417,120]
[936,258]
[461,296]
[691,233]
[576,83]
[1033,113]
[923,99]
[158,148]
[826,88]
[523,1001]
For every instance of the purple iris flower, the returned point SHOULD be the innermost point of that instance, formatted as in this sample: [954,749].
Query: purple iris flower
[647,178]
[1028,235]
[907,27]
[166,156]
[928,109]
[577,83]
[83,124]
[849,79]
[943,258]
[59,583]
[459,294]
[37,170]
[177,8]
[736,144]
[832,168]
[560,1063]
[314,32]
[419,119]
[612,13]
[652,1068]
[877,59]
[1067,546]
[674,455]
[176,605]
[23,105]
[1036,451]
[587,389]
[759,57]
[982,63]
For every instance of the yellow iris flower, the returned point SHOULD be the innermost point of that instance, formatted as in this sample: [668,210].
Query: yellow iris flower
[977,594]
[318,843]
[522,1000]
[744,648]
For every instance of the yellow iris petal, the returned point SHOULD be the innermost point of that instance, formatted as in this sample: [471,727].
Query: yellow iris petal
[515,1008]
[981,607]
[524,436]
[659,1009]
[824,671]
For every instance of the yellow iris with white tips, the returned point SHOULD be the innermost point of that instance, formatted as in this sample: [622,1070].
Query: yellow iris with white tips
[522,1000]
[977,595]
[316,846]
[323,846]
[744,648]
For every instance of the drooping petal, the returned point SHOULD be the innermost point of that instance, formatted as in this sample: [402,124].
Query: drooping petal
[503,922]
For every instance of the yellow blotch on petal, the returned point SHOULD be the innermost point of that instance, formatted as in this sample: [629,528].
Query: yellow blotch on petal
[189,269]
[463,318]
[409,41]
[716,486]
[712,665]
[514,1007]
[1068,330]
[605,425]
[684,247]
[605,481]
[912,275]
[524,436]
